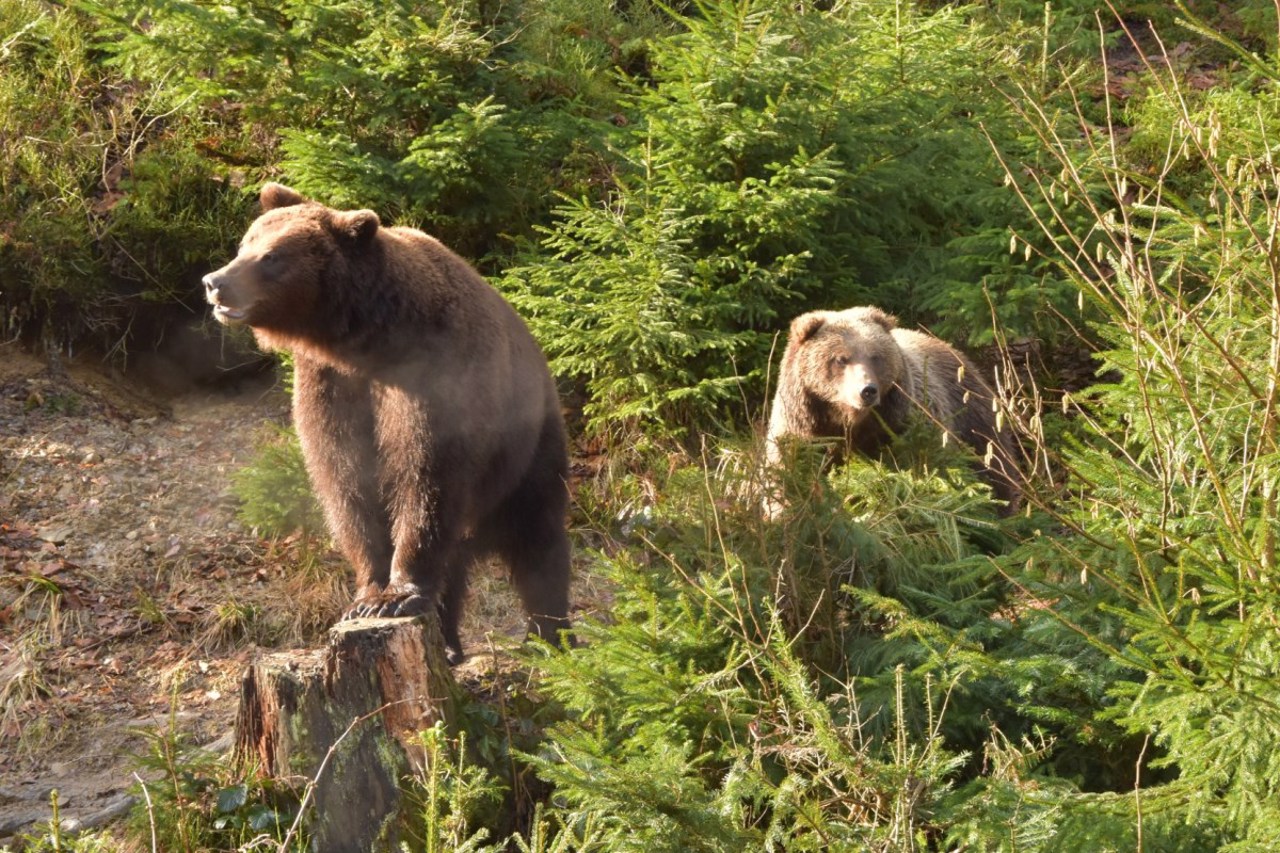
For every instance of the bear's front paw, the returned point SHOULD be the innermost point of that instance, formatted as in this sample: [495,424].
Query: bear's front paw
[391,602]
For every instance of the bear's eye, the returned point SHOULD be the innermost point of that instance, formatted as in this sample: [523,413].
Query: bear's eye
[841,361]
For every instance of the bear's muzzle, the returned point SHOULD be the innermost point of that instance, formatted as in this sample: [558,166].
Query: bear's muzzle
[215,285]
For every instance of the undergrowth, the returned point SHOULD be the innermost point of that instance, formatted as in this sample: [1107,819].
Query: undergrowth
[191,800]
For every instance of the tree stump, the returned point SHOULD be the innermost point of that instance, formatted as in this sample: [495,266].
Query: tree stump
[346,719]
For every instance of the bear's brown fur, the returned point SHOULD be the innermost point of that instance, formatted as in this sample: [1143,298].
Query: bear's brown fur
[855,375]
[429,421]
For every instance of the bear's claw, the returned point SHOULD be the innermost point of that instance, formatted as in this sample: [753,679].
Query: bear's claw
[387,605]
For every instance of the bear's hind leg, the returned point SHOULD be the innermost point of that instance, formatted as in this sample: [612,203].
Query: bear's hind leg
[540,571]
[529,535]
[451,604]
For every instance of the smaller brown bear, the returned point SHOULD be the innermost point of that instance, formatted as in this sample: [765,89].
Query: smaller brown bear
[429,422]
[855,375]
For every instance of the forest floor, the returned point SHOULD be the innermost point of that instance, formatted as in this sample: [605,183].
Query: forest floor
[131,597]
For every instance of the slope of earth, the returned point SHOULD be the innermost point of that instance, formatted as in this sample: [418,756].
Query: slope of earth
[131,598]
[127,588]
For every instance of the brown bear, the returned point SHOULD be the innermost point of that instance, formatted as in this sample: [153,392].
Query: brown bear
[429,421]
[855,375]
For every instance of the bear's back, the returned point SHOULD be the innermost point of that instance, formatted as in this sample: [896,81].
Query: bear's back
[447,293]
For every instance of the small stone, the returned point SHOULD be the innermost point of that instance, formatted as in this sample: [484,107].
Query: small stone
[55,533]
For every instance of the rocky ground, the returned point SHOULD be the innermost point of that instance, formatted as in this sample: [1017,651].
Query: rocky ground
[131,597]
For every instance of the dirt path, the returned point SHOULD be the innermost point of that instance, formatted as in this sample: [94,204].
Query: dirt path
[120,562]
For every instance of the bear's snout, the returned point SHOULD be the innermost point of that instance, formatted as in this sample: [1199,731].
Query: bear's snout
[216,285]
[859,387]
[212,284]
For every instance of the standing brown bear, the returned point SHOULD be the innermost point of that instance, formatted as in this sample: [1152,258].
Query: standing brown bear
[429,422]
[855,375]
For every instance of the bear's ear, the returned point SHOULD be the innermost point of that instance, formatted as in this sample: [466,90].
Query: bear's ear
[871,314]
[357,225]
[805,326]
[273,195]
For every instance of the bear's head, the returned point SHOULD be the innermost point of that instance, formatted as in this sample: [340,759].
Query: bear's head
[277,280]
[847,358]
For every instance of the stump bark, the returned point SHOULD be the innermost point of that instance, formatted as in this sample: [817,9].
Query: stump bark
[346,719]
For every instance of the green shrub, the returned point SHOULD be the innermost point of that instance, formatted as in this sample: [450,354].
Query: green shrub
[815,682]
[1166,507]
[274,490]
[104,206]
[193,801]
[462,118]
[453,792]
[49,172]
[779,158]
